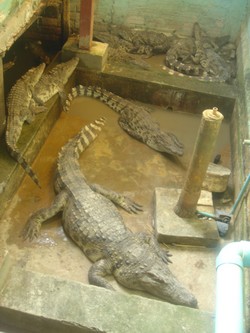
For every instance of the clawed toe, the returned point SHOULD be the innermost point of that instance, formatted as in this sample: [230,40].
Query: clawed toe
[133,207]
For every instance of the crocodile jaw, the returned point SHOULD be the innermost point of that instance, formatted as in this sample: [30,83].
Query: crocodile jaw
[158,281]
[165,143]
[166,286]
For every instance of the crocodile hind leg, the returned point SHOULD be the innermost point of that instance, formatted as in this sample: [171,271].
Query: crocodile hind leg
[121,200]
[33,225]
[97,273]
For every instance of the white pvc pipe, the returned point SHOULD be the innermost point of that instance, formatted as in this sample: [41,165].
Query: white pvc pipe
[230,287]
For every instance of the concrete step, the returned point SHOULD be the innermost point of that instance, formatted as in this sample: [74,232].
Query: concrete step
[35,302]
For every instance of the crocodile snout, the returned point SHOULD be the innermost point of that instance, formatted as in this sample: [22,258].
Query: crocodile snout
[161,282]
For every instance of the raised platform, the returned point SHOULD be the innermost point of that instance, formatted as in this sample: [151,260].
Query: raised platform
[170,228]
[34,302]
[93,59]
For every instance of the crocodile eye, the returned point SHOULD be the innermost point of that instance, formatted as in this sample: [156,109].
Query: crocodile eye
[204,63]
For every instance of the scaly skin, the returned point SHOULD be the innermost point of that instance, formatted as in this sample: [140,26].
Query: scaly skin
[133,119]
[53,81]
[93,222]
[198,57]
[21,108]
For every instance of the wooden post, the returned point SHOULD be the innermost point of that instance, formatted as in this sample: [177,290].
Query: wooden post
[204,147]
[86,24]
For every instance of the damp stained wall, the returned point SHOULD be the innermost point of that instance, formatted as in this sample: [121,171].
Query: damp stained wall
[218,17]
[240,132]
[7,7]
[241,125]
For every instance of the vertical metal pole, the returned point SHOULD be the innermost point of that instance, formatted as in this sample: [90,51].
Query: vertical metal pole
[86,24]
[204,147]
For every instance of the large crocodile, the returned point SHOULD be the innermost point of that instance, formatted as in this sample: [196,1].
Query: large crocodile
[21,108]
[93,222]
[134,119]
[53,81]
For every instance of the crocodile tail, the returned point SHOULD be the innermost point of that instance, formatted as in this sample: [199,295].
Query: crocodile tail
[87,135]
[20,159]
[115,102]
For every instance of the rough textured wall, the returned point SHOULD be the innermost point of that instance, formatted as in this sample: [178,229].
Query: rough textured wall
[7,7]
[241,130]
[17,21]
[169,15]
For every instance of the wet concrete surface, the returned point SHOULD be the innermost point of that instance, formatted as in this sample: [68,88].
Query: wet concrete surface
[119,162]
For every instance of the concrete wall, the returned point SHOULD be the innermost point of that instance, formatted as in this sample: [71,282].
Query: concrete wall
[169,15]
[241,125]
[7,7]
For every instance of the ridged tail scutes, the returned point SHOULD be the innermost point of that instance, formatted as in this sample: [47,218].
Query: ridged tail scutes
[88,134]
[115,102]
[24,164]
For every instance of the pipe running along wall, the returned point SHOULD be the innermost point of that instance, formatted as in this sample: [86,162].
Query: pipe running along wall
[229,287]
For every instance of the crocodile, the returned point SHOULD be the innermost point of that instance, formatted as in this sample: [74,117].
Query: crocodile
[91,219]
[21,108]
[133,119]
[53,81]
[198,56]
[142,42]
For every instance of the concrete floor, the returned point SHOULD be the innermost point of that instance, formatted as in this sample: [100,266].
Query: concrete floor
[120,163]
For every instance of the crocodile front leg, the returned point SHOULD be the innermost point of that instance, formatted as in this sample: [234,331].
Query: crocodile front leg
[97,274]
[33,225]
[152,242]
[127,204]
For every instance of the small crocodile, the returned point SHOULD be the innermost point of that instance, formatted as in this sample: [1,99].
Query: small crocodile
[134,119]
[21,108]
[93,222]
[53,81]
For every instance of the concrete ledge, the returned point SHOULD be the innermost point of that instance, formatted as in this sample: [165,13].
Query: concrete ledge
[94,59]
[30,142]
[170,228]
[34,302]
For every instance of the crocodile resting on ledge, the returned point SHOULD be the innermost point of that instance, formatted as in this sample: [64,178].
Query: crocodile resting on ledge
[93,222]
[21,108]
[133,119]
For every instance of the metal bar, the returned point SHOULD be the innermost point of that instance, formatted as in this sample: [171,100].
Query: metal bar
[86,24]
[240,195]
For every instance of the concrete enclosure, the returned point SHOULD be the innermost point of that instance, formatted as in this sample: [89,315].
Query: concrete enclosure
[56,22]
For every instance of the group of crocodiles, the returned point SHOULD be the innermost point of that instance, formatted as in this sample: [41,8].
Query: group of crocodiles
[30,93]
[89,215]
[27,98]
[199,56]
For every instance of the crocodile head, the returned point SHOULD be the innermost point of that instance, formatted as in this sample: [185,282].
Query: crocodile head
[156,280]
[165,142]
[34,74]
[65,69]
[160,281]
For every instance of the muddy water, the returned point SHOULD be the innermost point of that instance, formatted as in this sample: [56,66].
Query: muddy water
[121,163]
